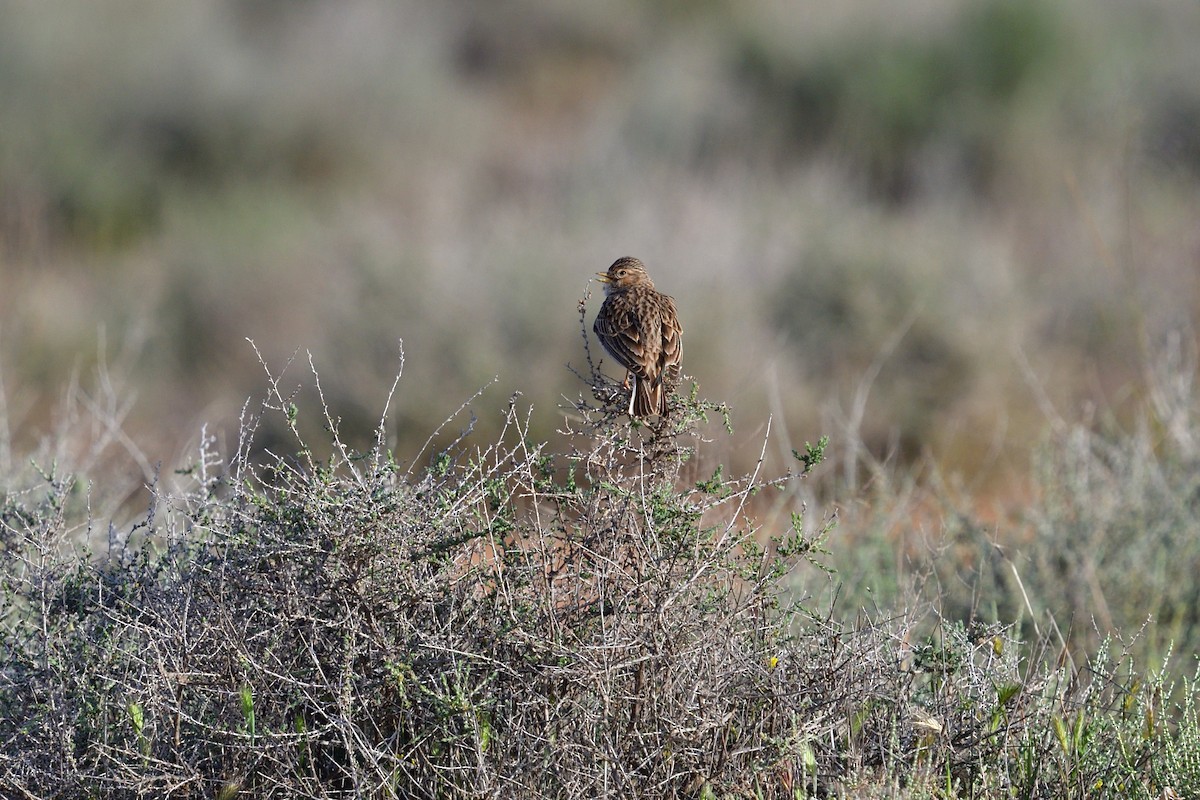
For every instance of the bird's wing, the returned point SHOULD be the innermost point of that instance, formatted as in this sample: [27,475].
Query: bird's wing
[648,333]
[624,339]
[670,358]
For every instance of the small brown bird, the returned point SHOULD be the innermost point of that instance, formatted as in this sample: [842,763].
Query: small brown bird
[639,327]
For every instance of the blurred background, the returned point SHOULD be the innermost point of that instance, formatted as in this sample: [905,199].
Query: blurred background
[928,230]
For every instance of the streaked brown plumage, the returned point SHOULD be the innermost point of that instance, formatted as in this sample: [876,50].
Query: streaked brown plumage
[639,327]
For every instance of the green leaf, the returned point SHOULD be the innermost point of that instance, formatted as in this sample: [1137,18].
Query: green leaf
[813,454]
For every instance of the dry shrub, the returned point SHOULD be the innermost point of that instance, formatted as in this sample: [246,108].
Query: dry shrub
[506,621]
[499,622]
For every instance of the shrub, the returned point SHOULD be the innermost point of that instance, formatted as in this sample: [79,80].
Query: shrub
[605,619]
[503,620]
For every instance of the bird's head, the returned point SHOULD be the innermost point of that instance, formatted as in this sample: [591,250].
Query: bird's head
[624,273]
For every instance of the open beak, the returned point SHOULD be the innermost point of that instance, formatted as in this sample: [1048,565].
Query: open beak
[602,277]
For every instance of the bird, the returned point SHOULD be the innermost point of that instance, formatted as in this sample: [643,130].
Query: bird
[639,327]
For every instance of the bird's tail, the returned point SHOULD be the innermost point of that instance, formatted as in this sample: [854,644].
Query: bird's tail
[649,398]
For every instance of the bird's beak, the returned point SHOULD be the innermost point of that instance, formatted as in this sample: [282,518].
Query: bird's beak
[602,277]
